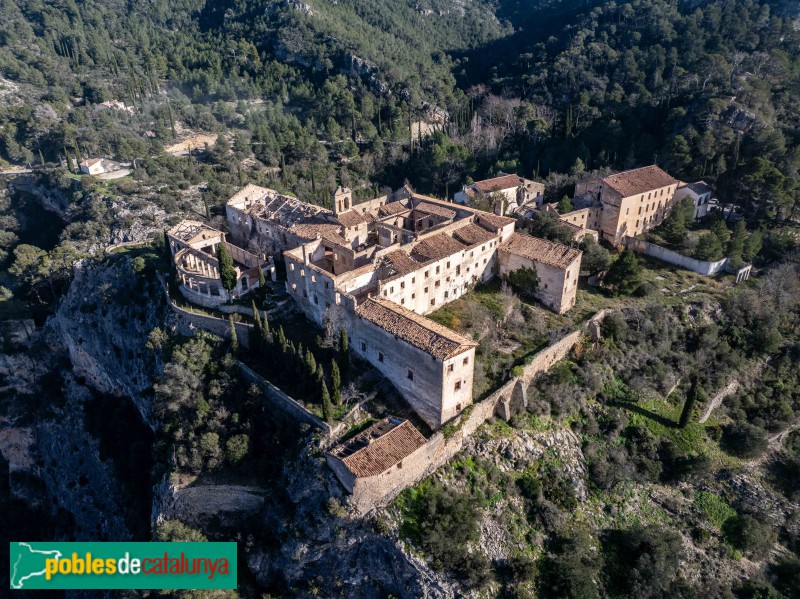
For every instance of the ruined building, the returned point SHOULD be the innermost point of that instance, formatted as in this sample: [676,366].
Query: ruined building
[193,246]
[380,266]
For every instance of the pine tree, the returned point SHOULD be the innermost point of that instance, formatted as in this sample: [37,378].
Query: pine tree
[234,337]
[344,351]
[624,276]
[327,408]
[336,383]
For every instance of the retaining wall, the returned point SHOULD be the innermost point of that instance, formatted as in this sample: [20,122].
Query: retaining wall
[656,251]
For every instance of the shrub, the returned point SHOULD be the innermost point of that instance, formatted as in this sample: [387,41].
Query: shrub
[444,523]
[750,536]
[744,440]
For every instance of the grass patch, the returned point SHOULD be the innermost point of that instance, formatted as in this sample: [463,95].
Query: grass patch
[715,508]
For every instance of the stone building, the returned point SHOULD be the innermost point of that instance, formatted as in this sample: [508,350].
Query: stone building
[510,192]
[556,265]
[194,246]
[380,266]
[624,204]
[374,454]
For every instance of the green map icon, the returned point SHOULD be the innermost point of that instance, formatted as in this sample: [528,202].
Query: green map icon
[27,563]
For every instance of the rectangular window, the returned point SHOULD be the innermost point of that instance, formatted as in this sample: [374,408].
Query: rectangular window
[437,283]
[413,295]
[402,301]
[449,368]
[433,302]
[437,270]
[426,290]
[291,267]
[326,284]
[448,264]
[410,375]
[402,284]
[413,280]
[363,346]
[466,361]
[380,357]
[458,386]
[427,273]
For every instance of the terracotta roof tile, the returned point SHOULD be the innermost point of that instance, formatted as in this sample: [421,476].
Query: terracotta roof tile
[435,209]
[351,218]
[418,331]
[377,449]
[502,182]
[436,247]
[328,232]
[473,234]
[639,180]
[400,263]
[493,220]
[541,250]
[392,208]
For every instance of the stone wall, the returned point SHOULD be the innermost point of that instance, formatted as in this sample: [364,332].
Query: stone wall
[282,401]
[544,360]
[656,251]
[375,491]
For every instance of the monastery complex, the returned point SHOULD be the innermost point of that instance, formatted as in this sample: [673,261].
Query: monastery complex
[380,266]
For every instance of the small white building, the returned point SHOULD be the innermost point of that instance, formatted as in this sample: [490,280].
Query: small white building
[513,191]
[700,192]
[95,166]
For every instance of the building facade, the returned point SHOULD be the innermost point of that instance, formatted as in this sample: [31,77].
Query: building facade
[626,204]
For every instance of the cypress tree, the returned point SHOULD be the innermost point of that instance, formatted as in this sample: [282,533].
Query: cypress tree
[256,341]
[234,338]
[311,363]
[692,398]
[327,408]
[336,383]
[281,338]
[344,351]
[262,280]
[227,272]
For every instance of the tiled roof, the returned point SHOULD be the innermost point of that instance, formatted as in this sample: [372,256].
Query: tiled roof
[91,161]
[436,247]
[325,231]
[351,218]
[391,208]
[639,180]
[541,250]
[400,263]
[493,220]
[436,210]
[472,234]
[418,331]
[503,182]
[380,447]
